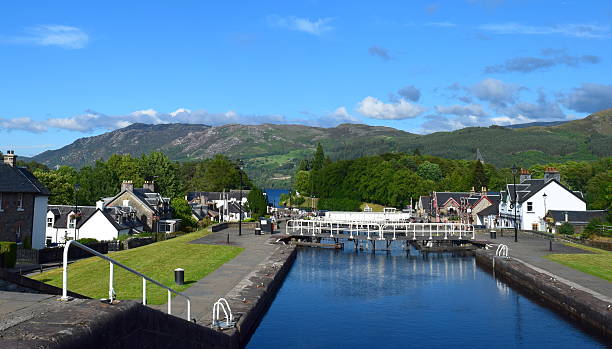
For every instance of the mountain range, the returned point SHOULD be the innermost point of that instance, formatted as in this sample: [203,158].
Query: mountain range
[272,152]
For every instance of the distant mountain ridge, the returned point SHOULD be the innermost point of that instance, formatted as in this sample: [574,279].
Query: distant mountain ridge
[272,152]
[533,124]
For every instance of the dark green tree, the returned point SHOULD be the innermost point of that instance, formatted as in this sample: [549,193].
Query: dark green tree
[479,176]
[182,211]
[431,171]
[318,159]
[257,203]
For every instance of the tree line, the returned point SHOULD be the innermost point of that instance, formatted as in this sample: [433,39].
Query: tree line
[394,179]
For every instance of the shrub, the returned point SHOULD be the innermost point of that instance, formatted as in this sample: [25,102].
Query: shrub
[338,204]
[8,251]
[566,229]
[86,241]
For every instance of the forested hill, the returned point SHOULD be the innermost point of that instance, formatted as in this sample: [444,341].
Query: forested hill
[272,152]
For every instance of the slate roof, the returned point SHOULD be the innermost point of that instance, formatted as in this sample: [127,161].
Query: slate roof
[217,195]
[530,187]
[61,213]
[443,196]
[576,216]
[20,180]
[234,207]
[491,210]
[425,203]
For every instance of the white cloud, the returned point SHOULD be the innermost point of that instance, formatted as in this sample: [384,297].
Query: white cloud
[440,24]
[588,98]
[375,108]
[573,30]
[52,35]
[496,92]
[306,25]
[464,110]
[22,123]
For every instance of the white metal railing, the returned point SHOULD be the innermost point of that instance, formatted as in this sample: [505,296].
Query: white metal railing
[111,291]
[379,229]
[502,250]
[219,305]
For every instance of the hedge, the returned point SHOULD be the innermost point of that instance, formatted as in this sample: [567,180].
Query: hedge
[8,251]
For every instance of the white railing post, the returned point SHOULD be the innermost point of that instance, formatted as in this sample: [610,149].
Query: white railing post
[414,232]
[110,282]
[430,227]
[144,291]
[169,303]
[473,233]
[445,231]
[65,273]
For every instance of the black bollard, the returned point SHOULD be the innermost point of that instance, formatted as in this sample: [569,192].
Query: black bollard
[228,239]
[179,276]
[550,245]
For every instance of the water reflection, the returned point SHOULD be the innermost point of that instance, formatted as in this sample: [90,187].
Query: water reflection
[400,298]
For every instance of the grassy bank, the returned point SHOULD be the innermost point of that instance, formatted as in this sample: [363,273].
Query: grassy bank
[598,264]
[90,276]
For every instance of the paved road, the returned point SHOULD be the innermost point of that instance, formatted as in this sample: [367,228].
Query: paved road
[205,292]
[532,249]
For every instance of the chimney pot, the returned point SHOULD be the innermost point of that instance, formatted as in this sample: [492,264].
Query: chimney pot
[10,158]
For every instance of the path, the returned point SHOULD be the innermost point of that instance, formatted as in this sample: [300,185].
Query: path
[533,248]
[205,292]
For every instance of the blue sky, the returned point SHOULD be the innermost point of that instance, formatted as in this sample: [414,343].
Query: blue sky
[75,69]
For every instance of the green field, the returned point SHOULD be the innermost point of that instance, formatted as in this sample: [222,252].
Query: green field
[90,276]
[598,264]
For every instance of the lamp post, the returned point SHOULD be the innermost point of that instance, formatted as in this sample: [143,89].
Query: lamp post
[77,186]
[514,173]
[240,165]
[544,196]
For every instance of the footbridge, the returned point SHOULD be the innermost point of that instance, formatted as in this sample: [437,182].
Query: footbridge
[377,230]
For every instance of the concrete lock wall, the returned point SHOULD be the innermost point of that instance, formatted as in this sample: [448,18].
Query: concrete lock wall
[590,311]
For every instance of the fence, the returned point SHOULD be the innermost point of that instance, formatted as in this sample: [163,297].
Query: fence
[55,254]
[27,256]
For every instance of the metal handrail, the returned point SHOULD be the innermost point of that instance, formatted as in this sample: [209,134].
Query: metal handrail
[502,250]
[111,292]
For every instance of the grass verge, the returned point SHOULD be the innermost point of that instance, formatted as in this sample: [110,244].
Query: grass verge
[598,264]
[90,276]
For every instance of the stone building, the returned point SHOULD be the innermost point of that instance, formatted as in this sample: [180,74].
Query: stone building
[152,210]
[23,204]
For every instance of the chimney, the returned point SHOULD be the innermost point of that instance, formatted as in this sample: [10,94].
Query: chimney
[149,185]
[127,185]
[472,191]
[551,173]
[525,175]
[10,158]
[100,205]
[566,216]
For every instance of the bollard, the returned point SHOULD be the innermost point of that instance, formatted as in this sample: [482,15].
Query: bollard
[550,245]
[179,276]
[228,239]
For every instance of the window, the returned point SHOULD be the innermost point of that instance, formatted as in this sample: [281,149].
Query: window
[20,202]
[529,206]
[71,223]
[49,222]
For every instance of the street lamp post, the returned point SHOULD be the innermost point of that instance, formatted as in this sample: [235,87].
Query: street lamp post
[514,173]
[544,196]
[77,186]
[240,165]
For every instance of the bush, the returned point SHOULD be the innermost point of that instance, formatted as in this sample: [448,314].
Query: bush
[566,229]
[8,251]
[86,241]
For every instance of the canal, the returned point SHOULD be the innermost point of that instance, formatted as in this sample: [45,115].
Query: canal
[348,299]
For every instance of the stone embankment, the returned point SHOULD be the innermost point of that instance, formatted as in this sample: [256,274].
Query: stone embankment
[591,309]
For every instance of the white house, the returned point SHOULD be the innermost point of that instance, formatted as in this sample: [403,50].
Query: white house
[534,198]
[96,222]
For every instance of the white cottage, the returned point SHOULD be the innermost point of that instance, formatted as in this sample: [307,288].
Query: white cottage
[534,198]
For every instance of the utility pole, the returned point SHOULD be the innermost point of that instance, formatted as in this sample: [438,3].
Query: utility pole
[240,165]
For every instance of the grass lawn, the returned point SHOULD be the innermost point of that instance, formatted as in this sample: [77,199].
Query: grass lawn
[598,264]
[90,276]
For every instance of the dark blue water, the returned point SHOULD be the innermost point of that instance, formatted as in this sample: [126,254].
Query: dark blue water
[274,195]
[344,299]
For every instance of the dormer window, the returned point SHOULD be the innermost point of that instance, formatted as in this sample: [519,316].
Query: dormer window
[71,222]
[49,222]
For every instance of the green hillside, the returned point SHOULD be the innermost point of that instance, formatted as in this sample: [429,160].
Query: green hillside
[272,152]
